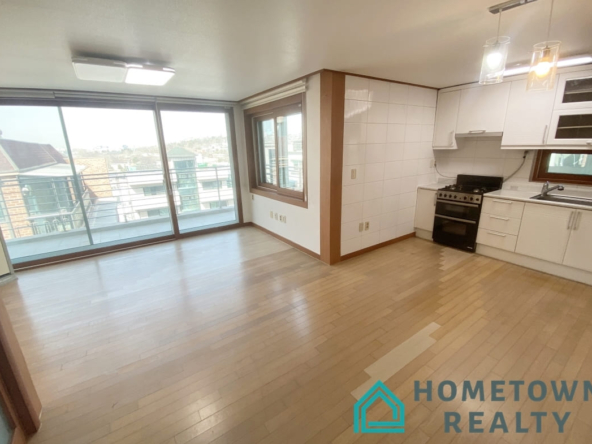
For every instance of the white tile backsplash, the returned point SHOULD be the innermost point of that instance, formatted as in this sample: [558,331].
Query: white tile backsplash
[484,158]
[388,141]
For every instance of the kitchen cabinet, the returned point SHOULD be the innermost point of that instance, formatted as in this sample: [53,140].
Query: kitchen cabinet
[528,116]
[483,109]
[574,90]
[571,127]
[579,247]
[544,232]
[446,117]
[425,209]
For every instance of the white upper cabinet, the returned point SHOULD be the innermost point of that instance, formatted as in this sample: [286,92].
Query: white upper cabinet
[574,90]
[528,116]
[544,232]
[483,109]
[571,127]
[446,117]
[580,242]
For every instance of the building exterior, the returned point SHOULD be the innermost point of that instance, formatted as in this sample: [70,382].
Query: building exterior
[37,190]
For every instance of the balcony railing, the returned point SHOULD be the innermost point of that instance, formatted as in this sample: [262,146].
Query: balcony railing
[34,207]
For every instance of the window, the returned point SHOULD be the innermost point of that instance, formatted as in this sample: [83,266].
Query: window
[157,213]
[276,136]
[154,190]
[211,184]
[569,166]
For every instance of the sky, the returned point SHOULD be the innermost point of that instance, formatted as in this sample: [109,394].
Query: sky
[90,128]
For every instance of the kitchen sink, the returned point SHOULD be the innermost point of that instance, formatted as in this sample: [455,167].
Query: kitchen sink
[564,199]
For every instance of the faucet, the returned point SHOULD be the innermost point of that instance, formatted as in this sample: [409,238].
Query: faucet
[546,190]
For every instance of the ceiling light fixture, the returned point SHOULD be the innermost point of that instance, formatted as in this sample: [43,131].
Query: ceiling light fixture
[495,54]
[148,75]
[106,70]
[543,64]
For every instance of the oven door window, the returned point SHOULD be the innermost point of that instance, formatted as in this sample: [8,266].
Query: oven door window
[458,210]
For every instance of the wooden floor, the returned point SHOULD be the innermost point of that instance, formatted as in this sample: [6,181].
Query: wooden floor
[236,337]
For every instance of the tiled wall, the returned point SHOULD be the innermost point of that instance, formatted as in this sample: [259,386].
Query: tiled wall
[388,144]
[484,158]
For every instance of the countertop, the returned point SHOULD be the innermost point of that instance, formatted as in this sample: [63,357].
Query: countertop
[526,195]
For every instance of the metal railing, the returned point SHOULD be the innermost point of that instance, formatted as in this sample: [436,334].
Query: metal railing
[35,206]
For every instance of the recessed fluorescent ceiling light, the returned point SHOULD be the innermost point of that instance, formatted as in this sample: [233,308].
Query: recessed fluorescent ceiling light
[572,61]
[148,75]
[102,70]
[105,70]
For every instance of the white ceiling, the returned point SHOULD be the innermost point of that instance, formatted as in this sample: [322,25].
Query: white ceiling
[230,49]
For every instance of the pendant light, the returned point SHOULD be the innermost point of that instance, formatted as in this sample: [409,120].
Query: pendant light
[495,54]
[543,64]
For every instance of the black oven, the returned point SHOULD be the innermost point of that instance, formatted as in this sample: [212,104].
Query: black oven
[456,224]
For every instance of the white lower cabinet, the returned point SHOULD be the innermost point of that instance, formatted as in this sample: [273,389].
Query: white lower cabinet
[495,239]
[544,232]
[425,209]
[579,247]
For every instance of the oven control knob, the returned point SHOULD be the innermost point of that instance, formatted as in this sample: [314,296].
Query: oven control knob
[472,198]
[465,197]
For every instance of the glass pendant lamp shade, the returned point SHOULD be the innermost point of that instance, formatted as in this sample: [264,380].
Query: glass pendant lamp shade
[543,66]
[493,64]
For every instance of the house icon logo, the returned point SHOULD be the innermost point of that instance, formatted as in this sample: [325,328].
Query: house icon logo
[379,391]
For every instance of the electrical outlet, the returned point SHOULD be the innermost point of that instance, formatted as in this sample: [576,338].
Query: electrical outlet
[276,216]
[271,214]
[433,163]
[285,219]
[353,173]
[366,226]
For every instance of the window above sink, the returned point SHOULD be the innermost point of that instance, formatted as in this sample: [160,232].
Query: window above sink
[559,166]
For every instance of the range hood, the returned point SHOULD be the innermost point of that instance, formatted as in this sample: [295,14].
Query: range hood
[480,135]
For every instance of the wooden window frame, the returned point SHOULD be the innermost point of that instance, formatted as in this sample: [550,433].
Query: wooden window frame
[263,112]
[540,173]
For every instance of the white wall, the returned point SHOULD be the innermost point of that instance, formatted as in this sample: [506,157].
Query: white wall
[303,225]
[485,158]
[388,142]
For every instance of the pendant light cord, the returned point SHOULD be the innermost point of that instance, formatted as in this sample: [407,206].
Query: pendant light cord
[550,17]
[499,23]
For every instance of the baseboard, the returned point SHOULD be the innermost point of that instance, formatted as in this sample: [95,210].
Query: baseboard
[8,278]
[423,234]
[377,246]
[572,274]
[284,240]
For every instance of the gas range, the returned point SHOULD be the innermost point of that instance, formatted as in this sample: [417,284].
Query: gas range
[458,209]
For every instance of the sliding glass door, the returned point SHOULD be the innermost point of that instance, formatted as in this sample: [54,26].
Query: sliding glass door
[200,168]
[41,209]
[76,177]
[119,161]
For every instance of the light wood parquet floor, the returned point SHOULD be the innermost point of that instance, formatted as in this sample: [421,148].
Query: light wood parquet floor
[236,337]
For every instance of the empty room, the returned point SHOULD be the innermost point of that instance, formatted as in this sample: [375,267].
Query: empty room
[295,221]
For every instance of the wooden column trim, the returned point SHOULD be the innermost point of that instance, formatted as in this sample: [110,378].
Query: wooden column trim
[14,373]
[332,120]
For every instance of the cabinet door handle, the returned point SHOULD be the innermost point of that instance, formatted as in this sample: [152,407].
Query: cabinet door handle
[493,233]
[500,218]
[476,131]
[545,134]
[578,219]
[503,201]
[569,223]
